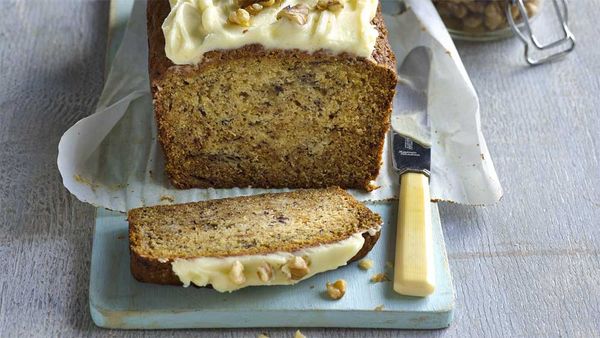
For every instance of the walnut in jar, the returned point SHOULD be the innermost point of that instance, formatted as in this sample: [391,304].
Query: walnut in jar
[481,18]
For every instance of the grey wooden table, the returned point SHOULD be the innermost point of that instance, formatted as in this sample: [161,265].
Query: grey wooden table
[528,266]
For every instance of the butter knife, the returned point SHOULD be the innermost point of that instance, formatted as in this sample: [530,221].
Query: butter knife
[414,273]
[413,270]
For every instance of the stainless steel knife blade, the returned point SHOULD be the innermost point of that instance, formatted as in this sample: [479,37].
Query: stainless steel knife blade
[408,155]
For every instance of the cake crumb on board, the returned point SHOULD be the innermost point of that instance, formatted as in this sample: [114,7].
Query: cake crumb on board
[167,198]
[365,264]
[380,278]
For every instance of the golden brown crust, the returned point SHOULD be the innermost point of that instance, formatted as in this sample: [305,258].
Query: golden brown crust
[158,62]
[153,263]
[199,170]
[150,270]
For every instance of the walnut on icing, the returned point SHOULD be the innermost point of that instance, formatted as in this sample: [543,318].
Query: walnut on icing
[297,14]
[236,274]
[330,5]
[240,17]
[265,272]
[295,268]
[253,7]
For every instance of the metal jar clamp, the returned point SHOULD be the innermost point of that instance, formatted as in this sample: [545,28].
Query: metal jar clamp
[565,44]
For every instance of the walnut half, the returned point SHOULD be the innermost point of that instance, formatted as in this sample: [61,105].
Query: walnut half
[297,14]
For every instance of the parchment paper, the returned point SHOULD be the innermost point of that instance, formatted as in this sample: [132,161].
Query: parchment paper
[112,158]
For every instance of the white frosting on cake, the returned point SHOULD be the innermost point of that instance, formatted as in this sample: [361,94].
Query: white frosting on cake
[227,274]
[195,27]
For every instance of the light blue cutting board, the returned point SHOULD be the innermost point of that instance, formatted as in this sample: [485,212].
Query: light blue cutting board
[119,301]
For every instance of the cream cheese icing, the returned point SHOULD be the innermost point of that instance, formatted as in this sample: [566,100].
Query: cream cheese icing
[227,274]
[194,27]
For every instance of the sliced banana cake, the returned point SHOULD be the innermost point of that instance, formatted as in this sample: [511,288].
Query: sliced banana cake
[269,239]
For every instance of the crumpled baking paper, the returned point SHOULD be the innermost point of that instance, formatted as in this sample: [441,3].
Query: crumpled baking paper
[112,158]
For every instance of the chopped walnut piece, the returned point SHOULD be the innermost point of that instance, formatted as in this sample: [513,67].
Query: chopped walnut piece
[379,278]
[295,268]
[378,308]
[330,5]
[322,4]
[236,274]
[240,17]
[264,272]
[298,268]
[365,264]
[297,14]
[336,290]
[299,334]
[307,260]
[254,9]
[372,186]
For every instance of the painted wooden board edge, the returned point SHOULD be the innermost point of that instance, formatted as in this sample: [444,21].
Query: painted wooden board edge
[271,319]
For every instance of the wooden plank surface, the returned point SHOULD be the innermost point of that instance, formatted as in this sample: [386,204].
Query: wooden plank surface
[528,266]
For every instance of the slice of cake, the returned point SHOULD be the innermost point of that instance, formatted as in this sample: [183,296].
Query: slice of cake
[270,239]
[274,93]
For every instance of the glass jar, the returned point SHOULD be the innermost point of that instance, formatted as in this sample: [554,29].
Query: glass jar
[482,20]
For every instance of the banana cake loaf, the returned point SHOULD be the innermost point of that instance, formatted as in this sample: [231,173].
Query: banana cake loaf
[269,94]
[269,239]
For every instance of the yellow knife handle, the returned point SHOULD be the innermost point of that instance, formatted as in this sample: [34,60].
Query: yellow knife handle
[414,271]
